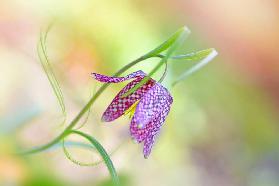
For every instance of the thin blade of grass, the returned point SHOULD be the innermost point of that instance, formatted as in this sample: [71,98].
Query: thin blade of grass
[193,56]
[103,153]
[65,144]
[44,60]
[165,73]
[205,60]
[169,42]
[68,155]
[70,144]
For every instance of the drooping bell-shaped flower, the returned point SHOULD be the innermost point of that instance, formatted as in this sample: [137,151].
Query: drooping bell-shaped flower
[151,104]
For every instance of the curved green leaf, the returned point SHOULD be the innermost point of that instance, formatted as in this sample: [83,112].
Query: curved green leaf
[103,153]
[205,60]
[193,56]
[169,42]
[43,57]
[68,155]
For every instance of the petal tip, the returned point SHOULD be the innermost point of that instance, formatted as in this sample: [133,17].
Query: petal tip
[104,119]
[93,75]
[146,153]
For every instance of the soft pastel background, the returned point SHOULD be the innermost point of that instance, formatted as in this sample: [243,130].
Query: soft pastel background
[223,129]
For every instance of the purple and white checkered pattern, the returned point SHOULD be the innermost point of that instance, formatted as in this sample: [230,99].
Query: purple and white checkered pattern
[151,111]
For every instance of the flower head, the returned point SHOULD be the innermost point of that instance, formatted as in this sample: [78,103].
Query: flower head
[151,104]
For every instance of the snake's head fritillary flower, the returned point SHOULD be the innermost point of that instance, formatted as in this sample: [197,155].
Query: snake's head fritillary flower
[151,104]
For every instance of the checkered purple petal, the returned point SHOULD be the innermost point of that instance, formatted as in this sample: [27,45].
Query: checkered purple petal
[156,114]
[152,134]
[119,105]
[109,79]
[151,105]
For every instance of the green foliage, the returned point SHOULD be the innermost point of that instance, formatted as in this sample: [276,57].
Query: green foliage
[205,56]
[170,46]
[103,153]
[45,62]
[77,162]
[170,42]
[193,56]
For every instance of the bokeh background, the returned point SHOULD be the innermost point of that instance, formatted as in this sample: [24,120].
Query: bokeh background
[223,126]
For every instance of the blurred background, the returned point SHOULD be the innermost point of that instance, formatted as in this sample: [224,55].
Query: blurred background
[223,126]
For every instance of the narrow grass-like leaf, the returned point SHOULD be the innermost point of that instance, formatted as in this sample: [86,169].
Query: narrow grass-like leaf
[65,144]
[69,144]
[193,56]
[169,42]
[68,155]
[180,36]
[42,53]
[103,153]
[212,54]
[165,73]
